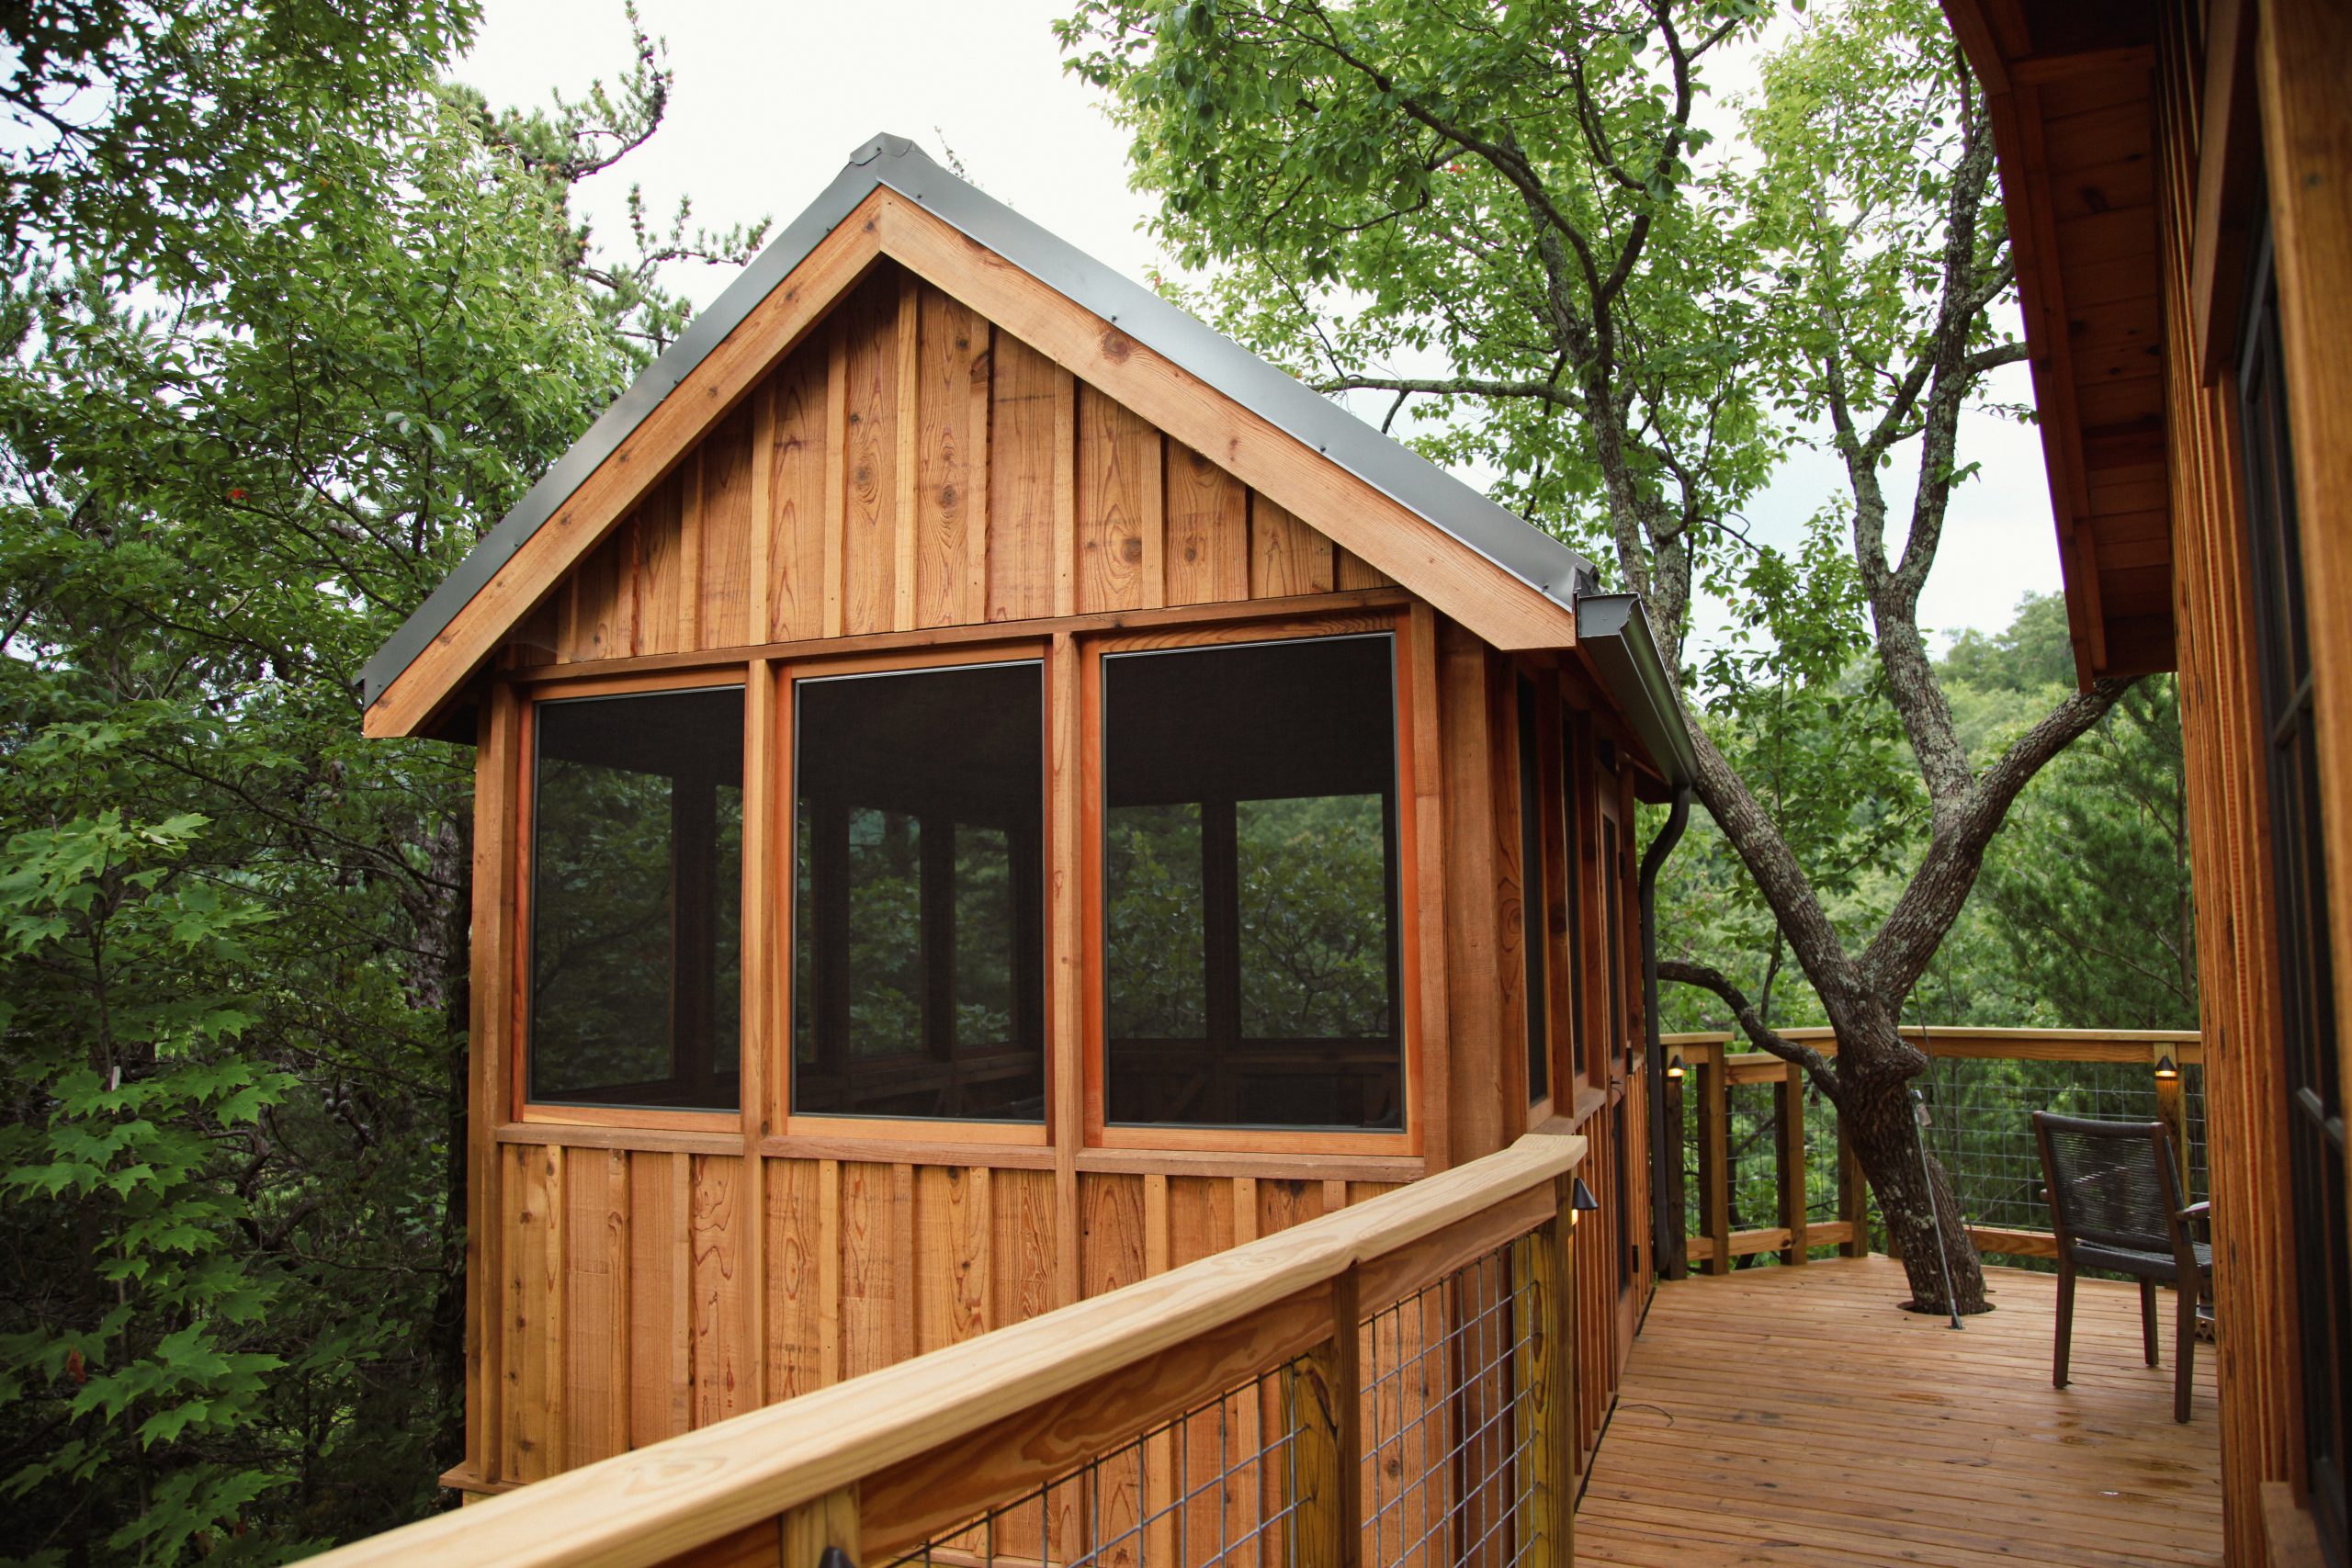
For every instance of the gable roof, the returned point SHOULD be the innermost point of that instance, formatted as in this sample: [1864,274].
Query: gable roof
[1532,562]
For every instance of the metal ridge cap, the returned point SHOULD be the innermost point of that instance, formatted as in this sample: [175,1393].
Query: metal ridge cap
[1423,488]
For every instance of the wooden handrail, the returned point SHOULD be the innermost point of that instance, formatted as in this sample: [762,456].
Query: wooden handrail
[1227,1318]
[1714,1067]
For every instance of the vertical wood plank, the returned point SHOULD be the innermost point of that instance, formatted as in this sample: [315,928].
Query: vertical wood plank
[1423,734]
[1067,936]
[837,464]
[798,512]
[953,1291]
[1286,557]
[1022,505]
[595,1306]
[1119,506]
[1021,1272]
[795,1325]
[661,1293]
[692,526]
[1326,1472]
[1478,981]
[1066,435]
[1853,1196]
[950,446]
[903,1262]
[662,587]
[829,1270]
[535,1281]
[724,1384]
[869,1319]
[870,542]
[599,615]
[1353,572]
[905,429]
[723,606]
[491,1020]
[764,507]
[1207,551]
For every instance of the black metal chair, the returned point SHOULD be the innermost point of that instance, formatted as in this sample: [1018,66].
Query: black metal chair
[2115,1202]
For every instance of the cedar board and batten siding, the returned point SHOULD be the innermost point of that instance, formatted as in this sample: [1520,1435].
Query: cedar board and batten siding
[911,471]
[911,468]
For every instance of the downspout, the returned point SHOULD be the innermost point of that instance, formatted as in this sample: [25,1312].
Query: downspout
[1663,1147]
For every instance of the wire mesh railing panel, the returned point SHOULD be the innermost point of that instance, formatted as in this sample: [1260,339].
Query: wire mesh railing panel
[1212,1488]
[1445,1479]
[1446,1438]
[1981,1115]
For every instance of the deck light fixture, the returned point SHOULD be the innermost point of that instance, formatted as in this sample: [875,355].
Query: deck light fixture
[2167,1070]
[1580,1200]
[1674,1065]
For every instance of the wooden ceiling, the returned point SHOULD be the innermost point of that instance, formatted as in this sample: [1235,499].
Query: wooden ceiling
[2073,93]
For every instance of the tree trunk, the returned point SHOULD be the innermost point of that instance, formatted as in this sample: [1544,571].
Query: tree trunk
[1924,1223]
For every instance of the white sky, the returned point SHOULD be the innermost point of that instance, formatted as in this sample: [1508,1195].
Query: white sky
[770,99]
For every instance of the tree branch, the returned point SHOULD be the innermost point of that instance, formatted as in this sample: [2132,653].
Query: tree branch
[1751,1022]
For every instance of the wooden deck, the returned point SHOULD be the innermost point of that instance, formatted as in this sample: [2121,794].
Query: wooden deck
[1798,1415]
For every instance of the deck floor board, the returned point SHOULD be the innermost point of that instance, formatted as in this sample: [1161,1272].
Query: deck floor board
[1798,1415]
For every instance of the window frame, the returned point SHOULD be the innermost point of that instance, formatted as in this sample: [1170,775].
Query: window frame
[1095,1131]
[803,1132]
[521,1109]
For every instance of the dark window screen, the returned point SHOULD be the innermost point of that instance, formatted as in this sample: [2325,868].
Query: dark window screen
[2306,977]
[637,898]
[1612,956]
[1574,838]
[1249,885]
[918,896]
[1533,929]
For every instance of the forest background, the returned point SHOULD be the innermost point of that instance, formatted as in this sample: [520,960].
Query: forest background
[288,319]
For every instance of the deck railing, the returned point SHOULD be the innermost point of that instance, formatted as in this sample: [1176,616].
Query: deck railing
[1391,1383]
[1982,1086]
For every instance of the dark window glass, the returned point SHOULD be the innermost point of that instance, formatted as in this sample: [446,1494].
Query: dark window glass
[918,897]
[637,898]
[1249,885]
[1534,930]
[2306,976]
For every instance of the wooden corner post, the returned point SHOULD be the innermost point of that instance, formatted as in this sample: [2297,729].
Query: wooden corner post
[1676,1264]
[1323,1389]
[816,1527]
[1541,1263]
[1714,1158]
[1788,1095]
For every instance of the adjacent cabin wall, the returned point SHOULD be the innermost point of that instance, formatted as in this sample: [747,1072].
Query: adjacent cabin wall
[908,471]
[911,467]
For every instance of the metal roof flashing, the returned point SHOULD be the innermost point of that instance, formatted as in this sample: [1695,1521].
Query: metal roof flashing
[1509,542]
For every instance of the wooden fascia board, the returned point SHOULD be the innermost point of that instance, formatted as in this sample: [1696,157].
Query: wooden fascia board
[1466,587]
[1503,609]
[2025,195]
[772,330]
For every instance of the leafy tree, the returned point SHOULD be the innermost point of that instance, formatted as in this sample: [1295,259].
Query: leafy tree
[1513,215]
[286,325]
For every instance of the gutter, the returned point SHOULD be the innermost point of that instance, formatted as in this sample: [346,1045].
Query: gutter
[1614,633]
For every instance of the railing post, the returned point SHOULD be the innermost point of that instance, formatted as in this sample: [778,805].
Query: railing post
[1788,1094]
[2172,1110]
[1677,1262]
[1714,1158]
[809,1531]
[1853,1196]
[1542,1261]
[1323,1389]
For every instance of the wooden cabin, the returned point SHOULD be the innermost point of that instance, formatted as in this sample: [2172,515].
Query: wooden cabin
[2178,181]
[988,793]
